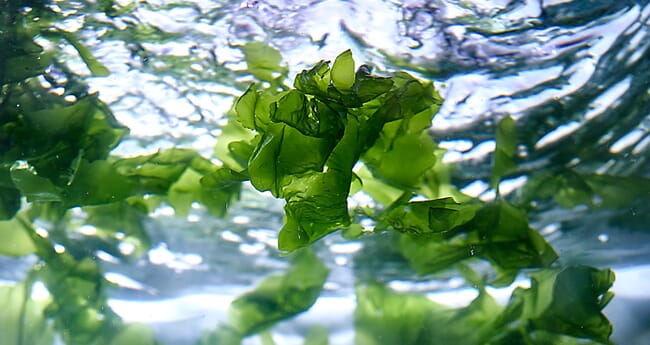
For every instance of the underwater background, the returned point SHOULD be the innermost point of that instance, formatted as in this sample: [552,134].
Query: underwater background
[574,75]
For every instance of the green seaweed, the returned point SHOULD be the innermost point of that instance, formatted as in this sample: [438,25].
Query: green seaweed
[506,147]
[337,131]
[275,298]
[311,138]
[561,307]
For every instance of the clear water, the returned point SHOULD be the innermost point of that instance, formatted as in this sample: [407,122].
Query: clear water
[575,75]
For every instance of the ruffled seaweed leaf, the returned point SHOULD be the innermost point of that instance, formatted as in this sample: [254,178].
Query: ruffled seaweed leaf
[442,233]
[506,147]
[279,297]
[561,307]
[263,61]
[319,132]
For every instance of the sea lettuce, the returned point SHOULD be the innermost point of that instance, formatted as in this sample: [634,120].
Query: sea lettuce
[280,296]
[569,188]
[55,155]
[26,58]
[386,317]
[275,298]
[307,144]
[53,140]
[376,134]
[317,335]
[566,302]
[22,320]
[440,233]
[79,303]
[311,138]
[506,147]
[264,62]
[16,239]
[562,306]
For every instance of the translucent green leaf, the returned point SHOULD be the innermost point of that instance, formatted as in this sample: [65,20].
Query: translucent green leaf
[404,151]
[565,302]
[438,216]
[56,122]
[279,297]
[343,71]
[561,307]
[52,140]
[507,240]
[97,183]
[25,59]
[403,160]
[383,317]
[497,232]
[386,317]
[139,334]
[429,255]
[380,191]
[245,107]
[570,188]
[15,237]
[282,153]
[266,337]
[253,109]
[157,172]
[235,145]
[317,202]
[183,177]
[22,320]
[408,97]
[367,87]
[79,308]
[506,147]
[223,335]
[96,68]
[611,191]
[317,206]
[54,127]
[353,231]
[220,189]
[292,109]
[578,293]
[317,335]
[314,81]
[116,224]
[33,186]
[263,61]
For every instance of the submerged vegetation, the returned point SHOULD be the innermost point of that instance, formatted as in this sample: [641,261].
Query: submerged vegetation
[337,131]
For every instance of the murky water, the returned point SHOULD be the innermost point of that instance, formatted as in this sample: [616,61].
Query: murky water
[574,74]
